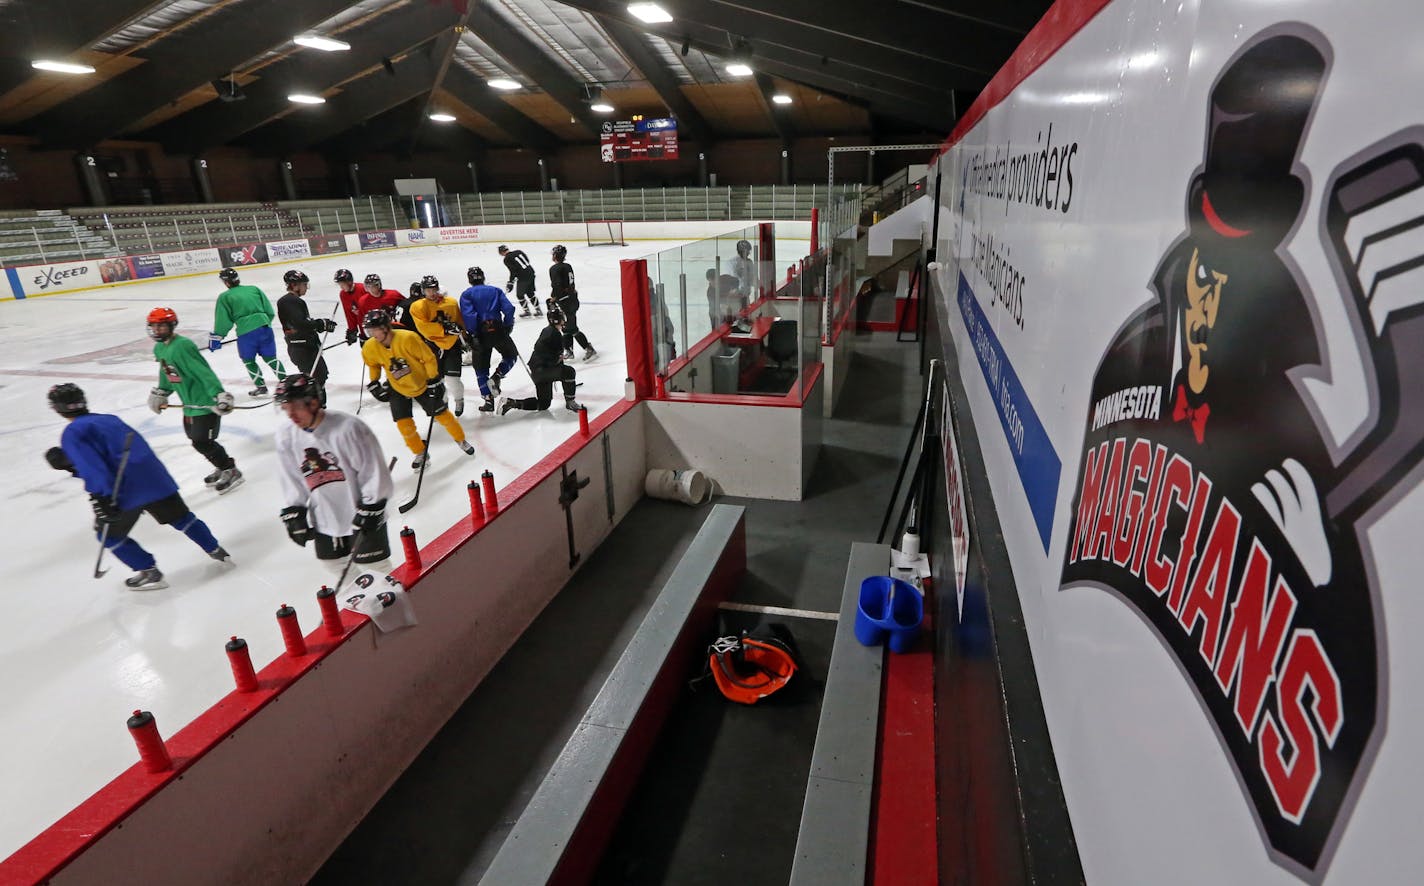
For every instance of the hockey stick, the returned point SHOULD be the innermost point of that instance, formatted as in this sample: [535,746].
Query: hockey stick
[118,479]
[420,479]
[356,541]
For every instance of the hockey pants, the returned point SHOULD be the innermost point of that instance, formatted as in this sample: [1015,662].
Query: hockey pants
[203,431]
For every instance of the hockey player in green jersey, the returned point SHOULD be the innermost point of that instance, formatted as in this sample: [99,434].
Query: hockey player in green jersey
[181,368]
[249,309]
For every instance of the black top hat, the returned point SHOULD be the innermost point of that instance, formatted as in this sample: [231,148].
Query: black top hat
[1246,195]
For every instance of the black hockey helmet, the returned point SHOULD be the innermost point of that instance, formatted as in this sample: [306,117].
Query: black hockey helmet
[429,281]
[503,249]
[559,253]
[342,276]
[67,399]
[293,277]
[373,280]
[297,386]
[744,248]
[476,275]
[553,311]
[228,276]
[416,291]
[375,318]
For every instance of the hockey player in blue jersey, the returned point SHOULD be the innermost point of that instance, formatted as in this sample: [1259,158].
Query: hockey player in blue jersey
[92,448]
[489,317]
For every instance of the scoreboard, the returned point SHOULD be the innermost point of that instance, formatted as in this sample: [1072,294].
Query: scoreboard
[642,138]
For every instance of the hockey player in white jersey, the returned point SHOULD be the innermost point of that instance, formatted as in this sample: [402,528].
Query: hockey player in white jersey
[335,479]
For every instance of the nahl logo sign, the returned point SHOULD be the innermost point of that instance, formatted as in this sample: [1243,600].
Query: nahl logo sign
[1209,497]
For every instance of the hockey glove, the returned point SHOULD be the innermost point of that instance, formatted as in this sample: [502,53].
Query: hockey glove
[158,400]
[105,511]
[295,519]
[451,327]
[58,460]
[329,325]
[351,336]
[222,404]
[215,341]
[379,391]
[369,516]
[436,389]
[509,287]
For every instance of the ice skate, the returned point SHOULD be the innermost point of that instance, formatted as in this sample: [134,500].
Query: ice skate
[213,478]
[146,580]
[259,391]
[525,311]
[494,385]
[417,462]
[467,447]
[221,555]
[568,353]
[459,407]
[538,312]
[506,405]
[488,405]
[572,405]
[589,354]
[228,480]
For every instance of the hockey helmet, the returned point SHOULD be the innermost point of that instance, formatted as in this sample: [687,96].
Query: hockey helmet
[744,248]
[67,399]
[416,291]
[295,387]
[376,318]
[559,253]
[342,276]
[503,249]
[228,276]
[553,311]
[293,277]
[748,668]
[162,317]
[476,276]
[429,281]
[373,280]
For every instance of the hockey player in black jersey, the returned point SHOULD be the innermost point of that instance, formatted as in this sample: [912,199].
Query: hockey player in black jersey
[565,294]
[521,274]
[546,366]
[303,333]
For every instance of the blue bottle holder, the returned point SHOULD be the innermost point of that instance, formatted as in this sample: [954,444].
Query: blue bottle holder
[888,608]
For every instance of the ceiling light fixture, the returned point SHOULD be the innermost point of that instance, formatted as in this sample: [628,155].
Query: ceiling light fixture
[601,106]
[739,69]
[781,99]
[45,64]
[325,44]
[439,117]
[597,102]
[650,13]
[503,83]
[302,98]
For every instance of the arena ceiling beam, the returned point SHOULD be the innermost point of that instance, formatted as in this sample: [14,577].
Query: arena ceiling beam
[468,88]
[631,43]
[56,29]
[531,61]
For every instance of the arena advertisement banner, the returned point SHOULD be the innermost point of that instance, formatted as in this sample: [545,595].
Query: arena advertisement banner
[247,254]
[1181,264]
[459,234]
[134,267]
[418,236]
[190,261]
[45,279]
[327,245]
[288,250]
[377,239]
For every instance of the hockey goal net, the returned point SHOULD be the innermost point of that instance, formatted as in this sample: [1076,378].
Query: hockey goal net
[604,232]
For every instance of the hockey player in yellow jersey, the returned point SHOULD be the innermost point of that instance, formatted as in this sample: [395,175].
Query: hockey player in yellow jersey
[414,376]
[437,319]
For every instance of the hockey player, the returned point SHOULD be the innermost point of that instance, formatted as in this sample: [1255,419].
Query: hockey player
[351,295]
[414,377]
[379,298]
[565,293]
[335,481]
[92,448]
[181,368]
[489,316]
[437,319]
[521,273]
[303,334]
[546,366]
[247,308]
[724,301]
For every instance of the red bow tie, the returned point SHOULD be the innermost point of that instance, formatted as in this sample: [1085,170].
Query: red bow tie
[1182,411]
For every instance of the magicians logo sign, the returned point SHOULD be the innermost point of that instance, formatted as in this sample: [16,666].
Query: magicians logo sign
[1208,497]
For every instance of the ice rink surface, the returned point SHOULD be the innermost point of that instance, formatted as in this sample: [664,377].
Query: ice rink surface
[79,655]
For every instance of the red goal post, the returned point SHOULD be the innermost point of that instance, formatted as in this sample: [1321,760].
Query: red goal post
[604,232]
